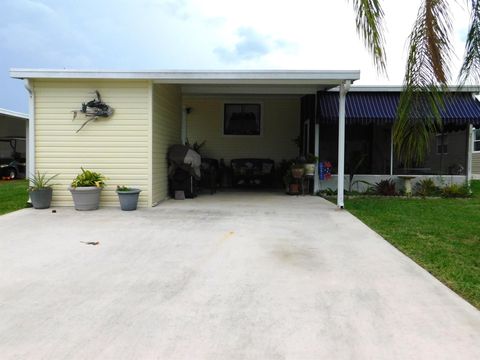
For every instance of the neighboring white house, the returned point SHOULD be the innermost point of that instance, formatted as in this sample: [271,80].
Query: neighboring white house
[476,153]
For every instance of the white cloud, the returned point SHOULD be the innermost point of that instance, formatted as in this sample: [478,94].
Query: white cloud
[250,46]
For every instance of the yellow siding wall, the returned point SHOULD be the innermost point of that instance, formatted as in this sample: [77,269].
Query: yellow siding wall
[119,146]
[280,125]
[476,164]
[166,130]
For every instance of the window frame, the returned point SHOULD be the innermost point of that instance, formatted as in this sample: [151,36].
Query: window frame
[242,102]
[475,140]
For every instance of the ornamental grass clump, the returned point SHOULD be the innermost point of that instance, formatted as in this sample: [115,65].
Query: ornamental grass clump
[426,188]
[385,188]
[40,181]
[457,191]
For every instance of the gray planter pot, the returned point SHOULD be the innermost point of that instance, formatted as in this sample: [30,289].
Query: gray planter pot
[86,198]
[128,199]
[41,198]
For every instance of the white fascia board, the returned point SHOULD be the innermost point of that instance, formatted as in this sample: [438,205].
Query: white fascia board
[399,88]
[199,77]
[14,114]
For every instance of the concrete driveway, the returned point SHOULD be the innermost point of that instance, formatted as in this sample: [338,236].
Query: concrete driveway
[229,276]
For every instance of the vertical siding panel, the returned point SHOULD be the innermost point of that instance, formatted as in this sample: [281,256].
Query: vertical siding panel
[117,146]
[166,130]
[476,164]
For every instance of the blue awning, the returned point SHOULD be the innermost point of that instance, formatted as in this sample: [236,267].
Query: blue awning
[381,108]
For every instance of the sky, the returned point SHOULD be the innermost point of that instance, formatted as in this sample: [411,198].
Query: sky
[200,34]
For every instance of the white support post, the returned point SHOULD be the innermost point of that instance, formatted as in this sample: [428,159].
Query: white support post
[469,152]
[344,87]
[31,130]
[316,151]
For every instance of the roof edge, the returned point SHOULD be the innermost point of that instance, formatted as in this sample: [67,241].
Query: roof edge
[399,88]
[185,75]
[13,113]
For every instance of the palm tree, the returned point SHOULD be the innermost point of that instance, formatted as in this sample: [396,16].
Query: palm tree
[427,69]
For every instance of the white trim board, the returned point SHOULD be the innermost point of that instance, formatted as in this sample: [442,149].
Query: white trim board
[399,88]
[199,76]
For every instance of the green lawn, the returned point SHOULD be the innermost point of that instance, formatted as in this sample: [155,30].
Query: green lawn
[442,235]
[13,195]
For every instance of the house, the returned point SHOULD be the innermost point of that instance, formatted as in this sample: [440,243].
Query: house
[150,114]
[475,156]
[237,113]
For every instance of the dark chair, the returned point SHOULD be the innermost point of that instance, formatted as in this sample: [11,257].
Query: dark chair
[252,172]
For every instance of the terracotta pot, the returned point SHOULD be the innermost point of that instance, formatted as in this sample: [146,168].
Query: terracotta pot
[297,173]
[294,188]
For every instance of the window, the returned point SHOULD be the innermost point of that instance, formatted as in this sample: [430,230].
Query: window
[476,140]
[242,119]
[442,144]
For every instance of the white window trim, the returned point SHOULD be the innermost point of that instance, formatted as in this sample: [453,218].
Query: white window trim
[242,101]
[474,141]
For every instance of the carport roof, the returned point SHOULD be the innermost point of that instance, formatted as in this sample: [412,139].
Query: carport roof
[13,114]
[261,77]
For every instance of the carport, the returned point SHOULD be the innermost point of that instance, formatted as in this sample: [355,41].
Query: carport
[150,115]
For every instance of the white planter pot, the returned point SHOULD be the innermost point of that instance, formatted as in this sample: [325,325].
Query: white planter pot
[309,169]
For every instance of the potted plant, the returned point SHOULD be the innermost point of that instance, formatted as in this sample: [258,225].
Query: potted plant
[40,190]
[309,165]
[86,189]
[292,178]
[297,171]
[128,197]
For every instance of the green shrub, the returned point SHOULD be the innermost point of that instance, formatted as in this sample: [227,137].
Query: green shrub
[456,191]
[385,188]
[123,188]
[89,178]
[327,192]
[426,187]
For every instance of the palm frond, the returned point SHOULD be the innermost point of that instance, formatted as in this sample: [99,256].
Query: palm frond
[427,73]
[369,23]
[471,61]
